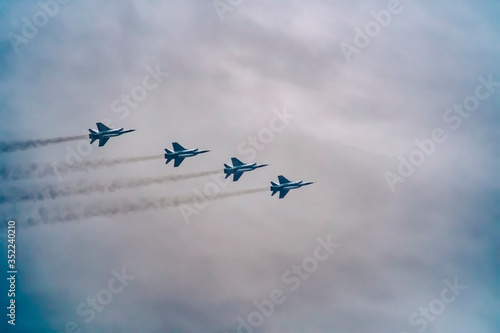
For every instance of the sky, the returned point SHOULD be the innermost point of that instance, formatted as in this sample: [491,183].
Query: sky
[389,107]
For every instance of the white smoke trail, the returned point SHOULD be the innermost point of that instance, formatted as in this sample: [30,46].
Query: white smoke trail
[111,162]
[35,170]
[68,214]
[54,192]
[8,147]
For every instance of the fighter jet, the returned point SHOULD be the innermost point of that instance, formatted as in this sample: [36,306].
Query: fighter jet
[180,153]
[104,133]
[239,167]
[285,185]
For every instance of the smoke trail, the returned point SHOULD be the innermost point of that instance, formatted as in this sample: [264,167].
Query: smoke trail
[121,208]
[8,147]
[34,170]
[54,192]
[110,162]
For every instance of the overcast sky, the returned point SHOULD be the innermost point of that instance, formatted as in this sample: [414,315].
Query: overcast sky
[319,90]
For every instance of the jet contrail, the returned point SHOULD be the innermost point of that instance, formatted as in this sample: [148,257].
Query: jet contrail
[96,164]
[8,147]
[44,170]
[110,162]
[54,192]
[121,208]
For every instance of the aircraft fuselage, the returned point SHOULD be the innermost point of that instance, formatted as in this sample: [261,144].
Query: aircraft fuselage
[293,185]
[284,187]
[245,167]
[109,133]
[186,153]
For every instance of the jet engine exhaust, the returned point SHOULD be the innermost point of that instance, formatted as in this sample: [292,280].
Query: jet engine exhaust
[47,170]
[121,208]
[54,192]
[8,147]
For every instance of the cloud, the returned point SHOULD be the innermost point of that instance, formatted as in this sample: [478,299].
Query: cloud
[225,79]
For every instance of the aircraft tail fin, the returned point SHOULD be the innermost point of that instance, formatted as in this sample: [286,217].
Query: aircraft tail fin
[92,131]
[168,159]
[93,139]
[226,172]
[273,188]
[168,151]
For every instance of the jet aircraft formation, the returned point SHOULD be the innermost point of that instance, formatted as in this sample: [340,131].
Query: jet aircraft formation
[179,153]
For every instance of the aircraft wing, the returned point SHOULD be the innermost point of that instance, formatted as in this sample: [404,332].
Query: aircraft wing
[178,161]
[283,180]
[101,127]
[237,176]
[283,193]
[103,140]
[177,147]
[236,162]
